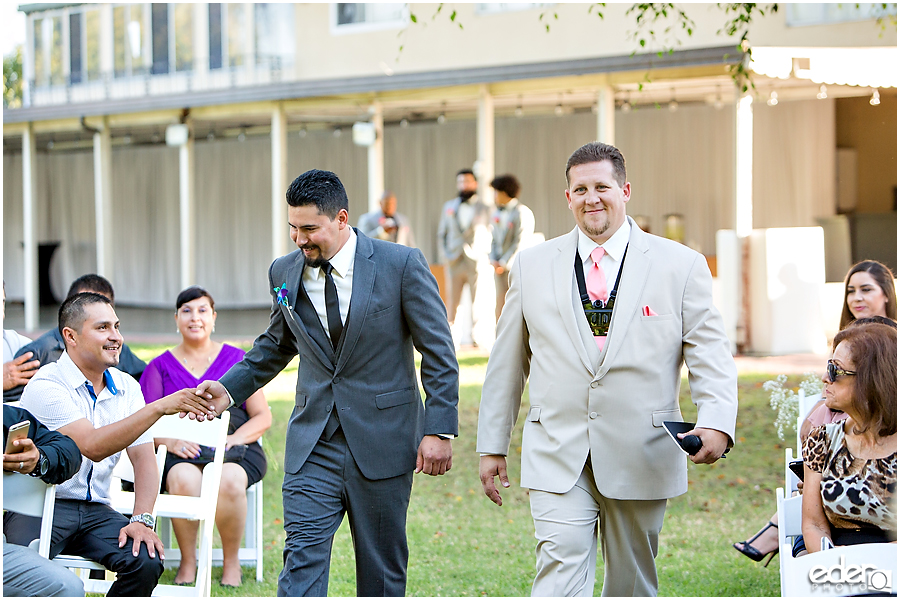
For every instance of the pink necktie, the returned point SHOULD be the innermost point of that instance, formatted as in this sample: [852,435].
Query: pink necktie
[596,286]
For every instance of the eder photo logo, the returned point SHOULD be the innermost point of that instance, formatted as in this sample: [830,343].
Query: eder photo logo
[848,579]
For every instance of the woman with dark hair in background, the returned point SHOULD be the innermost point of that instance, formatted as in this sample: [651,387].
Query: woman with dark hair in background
[196,358]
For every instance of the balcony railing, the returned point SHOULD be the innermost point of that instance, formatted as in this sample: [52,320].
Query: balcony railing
[76,89]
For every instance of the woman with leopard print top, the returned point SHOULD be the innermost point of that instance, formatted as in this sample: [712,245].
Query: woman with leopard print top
[854,464]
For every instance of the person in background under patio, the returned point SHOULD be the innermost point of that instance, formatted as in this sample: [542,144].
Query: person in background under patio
[196,358]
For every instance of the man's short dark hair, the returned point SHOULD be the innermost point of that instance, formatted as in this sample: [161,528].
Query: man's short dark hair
[92,283]
[598,152]
[323,189]
[508,184]
[71,311]
[466,172]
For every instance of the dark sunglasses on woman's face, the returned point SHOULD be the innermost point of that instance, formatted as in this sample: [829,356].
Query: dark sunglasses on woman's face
[834,372]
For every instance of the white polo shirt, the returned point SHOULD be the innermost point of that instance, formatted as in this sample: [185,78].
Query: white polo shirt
[60,394]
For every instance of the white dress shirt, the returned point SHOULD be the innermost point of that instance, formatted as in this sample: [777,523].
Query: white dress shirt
[614,251]
[58,395]
[314,281]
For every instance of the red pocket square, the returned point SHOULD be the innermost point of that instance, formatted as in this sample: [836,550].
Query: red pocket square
[648,312]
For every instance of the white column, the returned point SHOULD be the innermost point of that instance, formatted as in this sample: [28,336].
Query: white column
[485,126]
[29,182]
[743,175]
[187,212]
[279,182]
[606,115]
[743,216]
[103,198]
[376,156]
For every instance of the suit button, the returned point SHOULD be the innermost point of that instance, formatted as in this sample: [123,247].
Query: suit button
[595,384]
[593,415]
[336,380]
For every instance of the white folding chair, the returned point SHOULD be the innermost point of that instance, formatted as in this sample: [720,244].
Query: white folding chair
[840,571]
[804,405]
[30,496]
[200,508]
[122,502]
[791,481]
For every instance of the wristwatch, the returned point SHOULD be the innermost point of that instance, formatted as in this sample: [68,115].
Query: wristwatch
[144,519]
[40,469]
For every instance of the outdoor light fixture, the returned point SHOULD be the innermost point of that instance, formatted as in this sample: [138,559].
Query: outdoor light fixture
[442,118]
[210,136]
[718,104]
[302,132]
[154,137]
[823,92]
[404,122]
[875,100]
[337,132]
[626,105]
[773,98]
[519,112]
[558,111]
[127,139]
[242,135]
[50,144]
[673,104]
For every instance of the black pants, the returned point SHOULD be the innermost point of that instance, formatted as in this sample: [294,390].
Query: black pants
[91,530]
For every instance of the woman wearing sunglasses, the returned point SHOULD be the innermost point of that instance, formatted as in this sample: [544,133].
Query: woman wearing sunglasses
[851,466]
[869,295]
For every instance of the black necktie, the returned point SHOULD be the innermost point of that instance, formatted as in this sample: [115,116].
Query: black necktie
[332,306]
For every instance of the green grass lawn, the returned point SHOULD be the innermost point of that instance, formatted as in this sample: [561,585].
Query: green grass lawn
[463,545]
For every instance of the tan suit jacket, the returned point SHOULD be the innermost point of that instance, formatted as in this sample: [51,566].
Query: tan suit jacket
[611,405]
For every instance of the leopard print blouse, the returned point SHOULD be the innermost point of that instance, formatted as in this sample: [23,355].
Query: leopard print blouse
[856,492]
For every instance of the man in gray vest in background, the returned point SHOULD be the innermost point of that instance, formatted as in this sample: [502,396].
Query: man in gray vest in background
[512,230]
[460,219]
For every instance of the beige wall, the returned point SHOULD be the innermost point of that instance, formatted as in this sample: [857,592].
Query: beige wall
[517,37]
[872,132]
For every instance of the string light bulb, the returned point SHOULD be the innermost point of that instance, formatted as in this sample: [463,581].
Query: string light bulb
[823,92]
[875,100]
[773,98]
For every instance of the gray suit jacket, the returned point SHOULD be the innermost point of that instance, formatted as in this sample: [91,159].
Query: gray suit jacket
[454,242]
[608,405]
[371,379]
[507,241]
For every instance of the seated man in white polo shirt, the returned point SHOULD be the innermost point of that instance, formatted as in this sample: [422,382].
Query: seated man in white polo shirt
[85,397]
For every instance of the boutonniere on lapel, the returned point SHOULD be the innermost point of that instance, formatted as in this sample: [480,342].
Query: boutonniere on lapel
[497,218]
[281,297]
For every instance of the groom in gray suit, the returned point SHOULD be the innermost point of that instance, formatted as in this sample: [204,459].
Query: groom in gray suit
[353,308]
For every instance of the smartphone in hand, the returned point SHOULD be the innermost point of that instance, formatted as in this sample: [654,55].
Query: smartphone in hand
[796,467]
[19,431]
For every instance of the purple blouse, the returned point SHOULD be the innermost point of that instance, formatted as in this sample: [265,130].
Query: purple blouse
[166,374]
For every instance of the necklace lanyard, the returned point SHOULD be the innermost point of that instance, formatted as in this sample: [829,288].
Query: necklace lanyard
[598,314]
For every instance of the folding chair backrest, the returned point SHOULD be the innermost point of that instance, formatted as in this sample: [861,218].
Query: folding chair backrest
[790,480]
[30,496]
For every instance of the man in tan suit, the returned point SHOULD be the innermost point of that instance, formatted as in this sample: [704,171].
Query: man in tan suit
[595,455]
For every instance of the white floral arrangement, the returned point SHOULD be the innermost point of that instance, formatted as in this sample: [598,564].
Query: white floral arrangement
[785,401]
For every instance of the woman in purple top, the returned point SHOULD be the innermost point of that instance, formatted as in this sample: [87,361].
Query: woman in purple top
[197,358]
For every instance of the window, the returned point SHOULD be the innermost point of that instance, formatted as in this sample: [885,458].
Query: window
[274,34]
[92,47]
[238,35]
[799,15]
[159,29]
[48,50]
[215,36]
[75,63]
[183,24]
[359,16]
[128,40]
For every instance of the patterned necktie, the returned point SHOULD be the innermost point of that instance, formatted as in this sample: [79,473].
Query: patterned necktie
[332,306]
[596,286]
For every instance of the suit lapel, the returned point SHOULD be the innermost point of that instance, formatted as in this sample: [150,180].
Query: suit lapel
[363,284]
[634,278]
[562,272]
